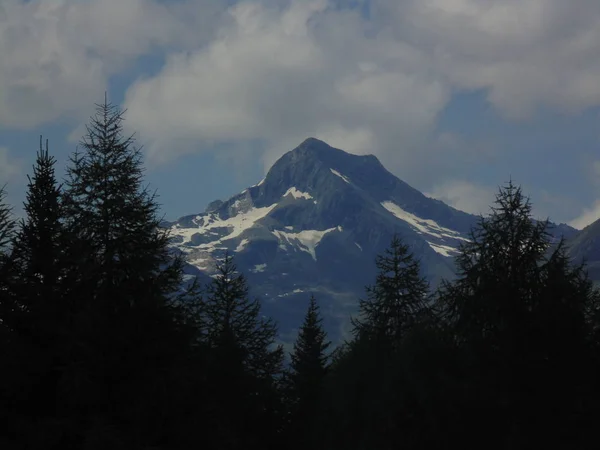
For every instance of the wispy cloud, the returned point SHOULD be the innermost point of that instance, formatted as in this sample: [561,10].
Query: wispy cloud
[10,167]
[588,216]
[465,196]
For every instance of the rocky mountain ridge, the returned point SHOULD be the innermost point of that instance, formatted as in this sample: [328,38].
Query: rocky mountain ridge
[315,224]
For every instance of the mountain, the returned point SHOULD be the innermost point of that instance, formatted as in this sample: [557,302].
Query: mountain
[315,224]
[585,246]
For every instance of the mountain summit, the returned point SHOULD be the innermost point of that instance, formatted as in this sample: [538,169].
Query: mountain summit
[315,224]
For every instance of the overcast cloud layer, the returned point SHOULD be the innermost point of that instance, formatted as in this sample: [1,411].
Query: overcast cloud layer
[275,72]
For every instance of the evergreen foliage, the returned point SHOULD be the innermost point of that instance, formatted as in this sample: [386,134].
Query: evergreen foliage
[7,225]
[306,378]
[103,345]
[515,309]
[397,298]
[246,362]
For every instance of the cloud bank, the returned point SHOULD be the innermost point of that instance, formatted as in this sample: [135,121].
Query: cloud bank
[57,56]
[273,72]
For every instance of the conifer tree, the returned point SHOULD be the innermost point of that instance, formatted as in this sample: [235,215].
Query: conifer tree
[309,360]
[112,212]
[233,318]
[518,315]
[309,365]
[7,225]
[377,405]
[497,270]
[37,250]
[246,362]
[397,298]
[42,315]
[122,283]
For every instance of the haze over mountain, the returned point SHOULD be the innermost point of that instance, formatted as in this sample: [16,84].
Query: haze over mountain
[315,224]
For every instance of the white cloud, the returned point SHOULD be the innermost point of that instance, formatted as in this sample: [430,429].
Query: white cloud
[58,55]
[588,216]
[465,196]
[527,54]
[277,73]
[281,74]
[269,73]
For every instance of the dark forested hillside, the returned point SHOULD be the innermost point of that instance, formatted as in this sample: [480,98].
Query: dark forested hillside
[109,341]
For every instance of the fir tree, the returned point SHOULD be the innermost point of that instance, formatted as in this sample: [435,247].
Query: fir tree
[43,315]
[7,224]
[309,361]
[309,365]
[497,270]
[7,227]
[234,319]
[122,282]
[246,363]
[6,312]
[377,405]
[39,316]
[112,213]
[397,298]
[38,245]
[517,314]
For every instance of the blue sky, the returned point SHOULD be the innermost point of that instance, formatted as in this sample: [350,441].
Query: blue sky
[454,96]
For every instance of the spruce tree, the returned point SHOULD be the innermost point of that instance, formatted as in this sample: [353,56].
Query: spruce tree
[7,302]
[42,314]
[38,246]
[309,365]
[497,270]
[396,300]
[378,407]
[112,212]
[7,224]
[518,313]
[232,318]
[246,362]
[7,227]
[122,283]
[309,360]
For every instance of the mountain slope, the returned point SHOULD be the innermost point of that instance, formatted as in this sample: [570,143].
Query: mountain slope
[585,246]
[315,223]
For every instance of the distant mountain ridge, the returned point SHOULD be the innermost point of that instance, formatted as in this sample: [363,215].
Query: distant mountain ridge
[315,224]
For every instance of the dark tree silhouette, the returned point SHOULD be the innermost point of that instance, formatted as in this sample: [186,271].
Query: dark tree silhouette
[246,362]
[396,300]
[309,365]
[518,313]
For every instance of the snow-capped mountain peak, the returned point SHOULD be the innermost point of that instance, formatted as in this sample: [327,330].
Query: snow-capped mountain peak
[315,224]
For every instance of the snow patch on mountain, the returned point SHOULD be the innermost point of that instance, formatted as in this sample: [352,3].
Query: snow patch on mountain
[306,240]
[295,291]
[297,194]
[258,268]
[201,261]
[426,226]
[235,226]
[242,245]
[444,250]
[343,177]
